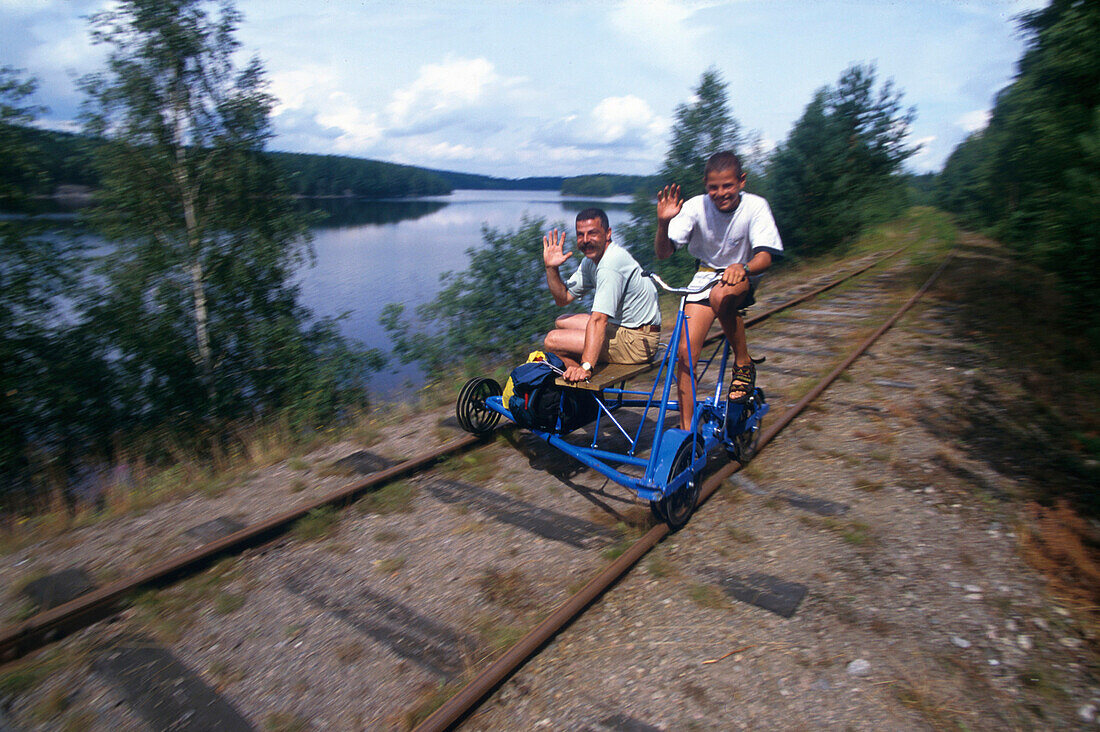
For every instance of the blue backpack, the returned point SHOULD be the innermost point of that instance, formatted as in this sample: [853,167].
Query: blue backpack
[536,402]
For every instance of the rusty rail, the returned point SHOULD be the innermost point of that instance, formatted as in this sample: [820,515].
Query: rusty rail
[455,709]
[50,625]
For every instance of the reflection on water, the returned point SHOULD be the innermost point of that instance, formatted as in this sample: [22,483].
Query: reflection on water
[347,212]
[370,253]
[395,251]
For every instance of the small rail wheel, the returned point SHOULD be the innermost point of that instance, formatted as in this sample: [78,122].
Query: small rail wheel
[744,445]
[676,509]
[473,416]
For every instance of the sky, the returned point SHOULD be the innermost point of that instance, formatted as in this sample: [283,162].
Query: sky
[544,87]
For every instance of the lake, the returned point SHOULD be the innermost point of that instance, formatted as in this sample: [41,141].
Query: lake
[370,253]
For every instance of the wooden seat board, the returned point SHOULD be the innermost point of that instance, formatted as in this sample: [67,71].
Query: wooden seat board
[609,374]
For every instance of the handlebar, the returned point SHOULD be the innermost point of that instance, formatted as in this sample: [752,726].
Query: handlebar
[683,290]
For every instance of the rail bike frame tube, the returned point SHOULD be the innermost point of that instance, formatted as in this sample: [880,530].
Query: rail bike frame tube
[667,365]
[598,460]
[652,486]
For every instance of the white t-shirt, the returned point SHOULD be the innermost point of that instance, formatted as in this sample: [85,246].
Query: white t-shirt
[720,239]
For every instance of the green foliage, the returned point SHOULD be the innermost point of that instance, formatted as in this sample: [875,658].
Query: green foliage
[838,170]
[19,171]
[197,302]
[1033,175]
[497,307]
[36,268]
[702,128]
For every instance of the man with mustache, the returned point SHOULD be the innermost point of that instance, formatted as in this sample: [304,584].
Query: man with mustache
[625,322]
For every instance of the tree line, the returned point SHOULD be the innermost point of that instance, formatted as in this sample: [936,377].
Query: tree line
[68,159]
[839,171]
[190,327]
[1032,176]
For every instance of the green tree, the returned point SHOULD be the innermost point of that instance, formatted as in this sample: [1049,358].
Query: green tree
[961,185]
[839,169]
[36,268]
[1031,176]
[702,127]
[197,299]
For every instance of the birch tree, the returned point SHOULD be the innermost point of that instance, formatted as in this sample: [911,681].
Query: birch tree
[199,302]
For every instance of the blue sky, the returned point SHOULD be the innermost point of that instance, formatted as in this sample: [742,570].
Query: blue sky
[563,88]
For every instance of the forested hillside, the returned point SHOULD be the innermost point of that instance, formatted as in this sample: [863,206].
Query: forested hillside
[1032,177]
[608,184]
[65,159]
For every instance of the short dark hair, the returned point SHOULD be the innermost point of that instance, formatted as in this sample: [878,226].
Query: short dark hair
[594,213]
[724,160]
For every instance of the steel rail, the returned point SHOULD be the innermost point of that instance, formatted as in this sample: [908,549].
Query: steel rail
[53,624]
[455,709]
[50,625]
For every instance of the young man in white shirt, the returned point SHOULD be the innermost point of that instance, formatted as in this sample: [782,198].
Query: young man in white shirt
[725,229]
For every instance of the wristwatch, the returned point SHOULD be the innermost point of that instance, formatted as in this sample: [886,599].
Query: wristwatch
[748,272]
[586,366]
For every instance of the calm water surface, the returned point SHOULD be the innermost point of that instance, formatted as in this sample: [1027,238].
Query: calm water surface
[373,253]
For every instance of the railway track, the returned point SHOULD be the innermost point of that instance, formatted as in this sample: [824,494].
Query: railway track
[415,606]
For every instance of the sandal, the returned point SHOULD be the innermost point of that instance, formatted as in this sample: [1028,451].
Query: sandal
[742,383]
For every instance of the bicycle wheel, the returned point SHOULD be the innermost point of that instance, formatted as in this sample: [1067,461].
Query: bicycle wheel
[470,410]
[675,509]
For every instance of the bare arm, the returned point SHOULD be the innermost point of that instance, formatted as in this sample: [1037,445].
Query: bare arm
[554,256]
[668,205]
[594,336]
[759,262]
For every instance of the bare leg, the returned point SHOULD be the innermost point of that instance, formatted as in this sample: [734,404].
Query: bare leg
[700,316]
[727,303]
[567,338]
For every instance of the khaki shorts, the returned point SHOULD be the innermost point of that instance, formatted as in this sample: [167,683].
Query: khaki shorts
[630,345]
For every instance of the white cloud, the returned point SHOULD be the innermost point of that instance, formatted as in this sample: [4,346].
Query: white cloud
[446,151]
[458,90]
[974,121]
[622,123]
[300,87]
[618,119]
[359,128]
[663,28]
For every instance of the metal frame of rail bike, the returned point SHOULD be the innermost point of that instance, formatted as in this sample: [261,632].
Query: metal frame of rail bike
[669,475]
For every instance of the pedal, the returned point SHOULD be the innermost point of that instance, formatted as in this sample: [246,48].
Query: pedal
[735,418]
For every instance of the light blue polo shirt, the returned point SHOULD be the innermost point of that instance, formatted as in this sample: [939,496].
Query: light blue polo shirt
[622,293]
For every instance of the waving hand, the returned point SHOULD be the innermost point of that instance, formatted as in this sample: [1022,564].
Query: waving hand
[553,249]
[669,202]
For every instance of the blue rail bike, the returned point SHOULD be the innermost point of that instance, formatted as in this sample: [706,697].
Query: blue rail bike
[660,464]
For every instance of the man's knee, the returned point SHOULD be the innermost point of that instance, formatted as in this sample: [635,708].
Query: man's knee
[728,300]
[550,341]
[574,321]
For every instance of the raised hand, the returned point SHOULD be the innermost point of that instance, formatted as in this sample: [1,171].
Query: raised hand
[669,202]
[553,249]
